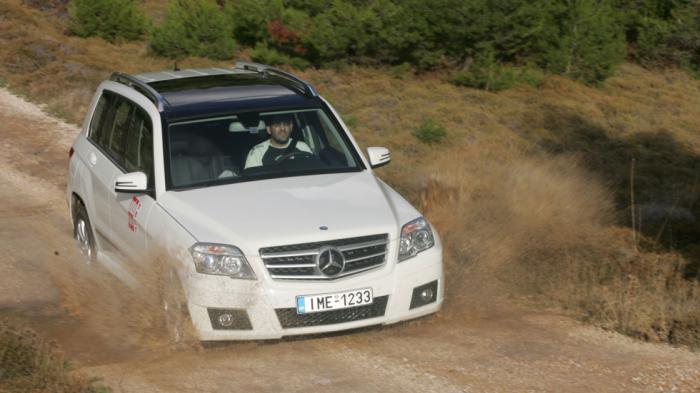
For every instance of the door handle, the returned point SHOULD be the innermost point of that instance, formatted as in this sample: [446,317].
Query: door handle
[92,157]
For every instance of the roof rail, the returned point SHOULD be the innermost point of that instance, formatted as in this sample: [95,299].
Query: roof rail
[305,87]
[140,86]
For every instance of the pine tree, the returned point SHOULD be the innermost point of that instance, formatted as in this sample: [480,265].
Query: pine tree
[194,27]
[586,41]
[108,19]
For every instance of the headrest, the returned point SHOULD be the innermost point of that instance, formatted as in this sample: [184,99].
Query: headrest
[237,126]
[194,146]
[178,147]
[203,147]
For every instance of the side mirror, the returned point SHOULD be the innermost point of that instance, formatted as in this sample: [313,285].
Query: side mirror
[378,156]
[133,183]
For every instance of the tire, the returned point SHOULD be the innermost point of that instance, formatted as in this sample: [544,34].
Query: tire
[83,234]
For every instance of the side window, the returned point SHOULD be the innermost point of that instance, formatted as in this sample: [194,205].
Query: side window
[96,130]
[120,126]
[139,144]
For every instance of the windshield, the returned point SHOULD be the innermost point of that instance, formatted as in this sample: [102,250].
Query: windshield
[255,145]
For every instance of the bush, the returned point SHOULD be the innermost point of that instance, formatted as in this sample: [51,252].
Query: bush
[343,31]
[108,19]
[250,18]
[430,132]
[585,40]
[685,37]
[266,55]
[488,74]
[196,28]
[401,71]
[582,39]
[663,33]
[650,42]
[351,121]
[424,34]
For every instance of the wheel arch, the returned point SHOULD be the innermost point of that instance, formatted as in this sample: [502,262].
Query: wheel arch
[76,200]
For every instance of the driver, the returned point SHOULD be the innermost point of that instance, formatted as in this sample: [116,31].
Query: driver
[273,150]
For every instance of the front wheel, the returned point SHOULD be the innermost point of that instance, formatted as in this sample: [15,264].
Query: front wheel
[178,326]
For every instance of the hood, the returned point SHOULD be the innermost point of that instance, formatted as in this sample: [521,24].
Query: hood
[282,211]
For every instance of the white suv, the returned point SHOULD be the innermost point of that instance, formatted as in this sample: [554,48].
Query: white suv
[253,185]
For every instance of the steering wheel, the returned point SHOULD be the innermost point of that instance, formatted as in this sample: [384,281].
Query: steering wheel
[229,172]
[292,155]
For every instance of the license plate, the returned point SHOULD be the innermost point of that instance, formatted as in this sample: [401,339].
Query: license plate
[334,301]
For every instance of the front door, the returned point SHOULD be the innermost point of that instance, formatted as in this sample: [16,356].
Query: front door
[130,212]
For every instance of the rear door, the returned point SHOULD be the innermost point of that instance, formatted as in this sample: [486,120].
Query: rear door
[102,168]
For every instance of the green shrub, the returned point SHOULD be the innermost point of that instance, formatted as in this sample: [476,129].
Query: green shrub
[423,34]
[662,33]
[299,63]
[108,19]
[262,53]
[650,42]
[401,71]
[582,39]
[194,27]
[488,74]
[266,55]
[351,121]
[430,132]
[585,40]
[250,17]
[685,37]
[342,31]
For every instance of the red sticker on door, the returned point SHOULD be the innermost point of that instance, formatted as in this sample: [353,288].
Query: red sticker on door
[133,212]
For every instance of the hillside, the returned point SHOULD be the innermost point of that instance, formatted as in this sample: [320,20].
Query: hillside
[533,188]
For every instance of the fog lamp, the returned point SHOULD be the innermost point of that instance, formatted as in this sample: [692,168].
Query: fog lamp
[426,295]
[225,320]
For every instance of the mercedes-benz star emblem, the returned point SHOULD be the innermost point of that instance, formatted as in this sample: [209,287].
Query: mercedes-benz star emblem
[331,261]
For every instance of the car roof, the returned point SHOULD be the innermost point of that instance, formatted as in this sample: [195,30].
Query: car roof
[192,93]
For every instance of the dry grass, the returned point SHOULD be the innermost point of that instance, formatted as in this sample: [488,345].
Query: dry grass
[530,190]
[30,364]
[543,228]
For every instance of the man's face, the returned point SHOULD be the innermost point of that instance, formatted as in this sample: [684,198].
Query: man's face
[280,131]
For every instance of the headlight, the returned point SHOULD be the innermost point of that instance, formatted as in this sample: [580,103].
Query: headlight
[222,260]
[416,236]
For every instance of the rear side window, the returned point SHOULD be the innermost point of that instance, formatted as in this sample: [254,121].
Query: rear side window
[139,144]
[96,132]
[123,131]
[119,130]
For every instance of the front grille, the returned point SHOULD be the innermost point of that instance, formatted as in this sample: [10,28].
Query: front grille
[289,318]
[298,261]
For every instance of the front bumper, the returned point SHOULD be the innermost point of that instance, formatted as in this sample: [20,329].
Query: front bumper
[260,299]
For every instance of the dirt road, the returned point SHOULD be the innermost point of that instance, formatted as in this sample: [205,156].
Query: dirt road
[470,347]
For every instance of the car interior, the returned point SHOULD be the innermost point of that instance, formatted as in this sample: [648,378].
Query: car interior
[213,149]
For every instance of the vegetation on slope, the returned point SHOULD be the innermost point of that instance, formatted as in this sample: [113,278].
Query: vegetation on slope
[582,39]
[30,364]
[530,188]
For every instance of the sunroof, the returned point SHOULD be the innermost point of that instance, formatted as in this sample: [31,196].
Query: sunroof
[206,82]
